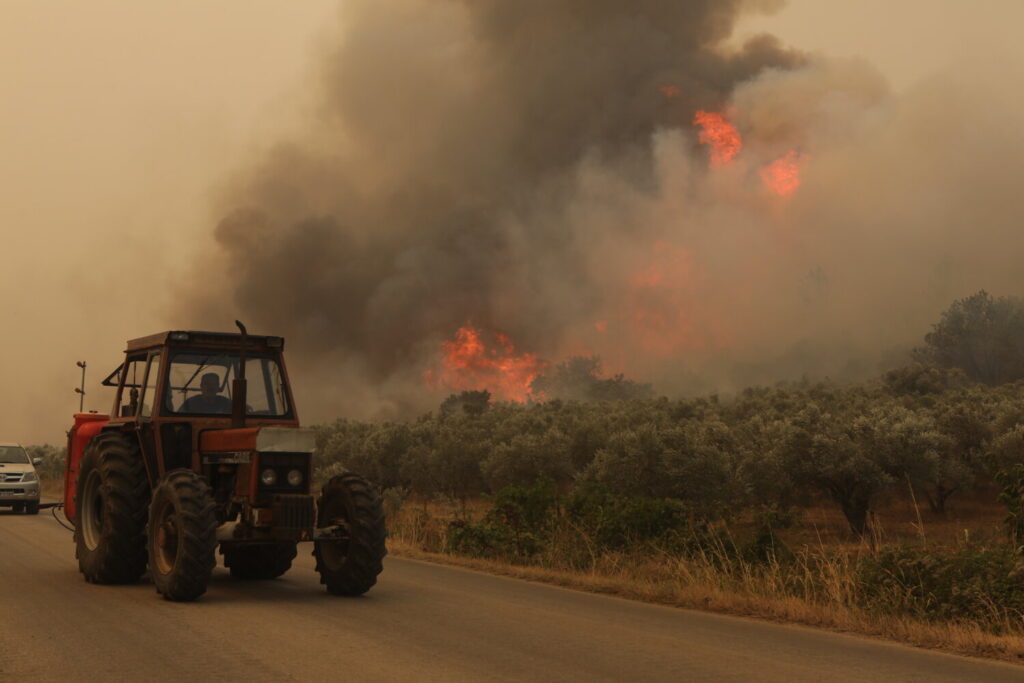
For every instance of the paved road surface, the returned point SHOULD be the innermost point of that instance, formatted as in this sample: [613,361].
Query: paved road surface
[421,623]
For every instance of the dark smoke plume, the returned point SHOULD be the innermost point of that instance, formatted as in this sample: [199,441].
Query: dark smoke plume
[432,189]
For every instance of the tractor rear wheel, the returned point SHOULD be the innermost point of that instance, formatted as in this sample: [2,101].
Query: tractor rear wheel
[182,536]
[263,561]
[350,566]
[112,496]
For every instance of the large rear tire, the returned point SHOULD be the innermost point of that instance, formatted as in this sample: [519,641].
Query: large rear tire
[350,566]
[263,561]
[112,497]
[182,536]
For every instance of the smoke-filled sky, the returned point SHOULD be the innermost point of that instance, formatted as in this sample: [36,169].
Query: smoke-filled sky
[365,178]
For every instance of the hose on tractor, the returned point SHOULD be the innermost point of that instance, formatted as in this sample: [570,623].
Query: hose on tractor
[66,523]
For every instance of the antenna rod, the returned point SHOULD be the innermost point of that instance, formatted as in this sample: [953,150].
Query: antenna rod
[81,391]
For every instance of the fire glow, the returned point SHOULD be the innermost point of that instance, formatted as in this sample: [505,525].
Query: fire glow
[720,135]
[469,363]
[666,314]
[782,176]
[670,91]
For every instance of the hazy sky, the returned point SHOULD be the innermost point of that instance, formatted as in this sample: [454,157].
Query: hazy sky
[120,122]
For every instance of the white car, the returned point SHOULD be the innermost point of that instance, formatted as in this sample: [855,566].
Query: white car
[19,483]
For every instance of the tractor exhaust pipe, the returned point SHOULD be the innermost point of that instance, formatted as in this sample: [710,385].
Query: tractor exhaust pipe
[238,386]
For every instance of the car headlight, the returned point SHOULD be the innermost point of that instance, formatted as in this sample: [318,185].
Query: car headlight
[268,477]
[295,477]
[30,476]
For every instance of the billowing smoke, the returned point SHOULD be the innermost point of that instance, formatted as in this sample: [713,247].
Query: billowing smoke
[544,172]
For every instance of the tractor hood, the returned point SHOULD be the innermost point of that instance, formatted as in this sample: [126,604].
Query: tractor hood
[262,439]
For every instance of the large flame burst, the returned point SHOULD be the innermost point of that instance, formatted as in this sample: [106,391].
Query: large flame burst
[721,135]
[469,362]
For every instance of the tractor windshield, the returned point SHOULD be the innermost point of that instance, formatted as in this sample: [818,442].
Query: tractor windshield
[13,454]
[200,382]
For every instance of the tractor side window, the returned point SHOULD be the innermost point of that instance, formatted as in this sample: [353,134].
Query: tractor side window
[128,397]
[149,397]
[266,389]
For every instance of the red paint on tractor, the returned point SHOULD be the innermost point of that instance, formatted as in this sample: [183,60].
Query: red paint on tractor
[221,440]
[87,425]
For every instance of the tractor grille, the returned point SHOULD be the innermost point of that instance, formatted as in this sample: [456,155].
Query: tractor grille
[293,512]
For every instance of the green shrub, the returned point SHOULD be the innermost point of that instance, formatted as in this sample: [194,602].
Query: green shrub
[477,540]
[984,585]
[615,522]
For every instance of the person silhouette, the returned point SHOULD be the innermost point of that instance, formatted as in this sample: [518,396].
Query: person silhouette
[209,400]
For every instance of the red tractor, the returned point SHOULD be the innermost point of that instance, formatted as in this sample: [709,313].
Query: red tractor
[203,448]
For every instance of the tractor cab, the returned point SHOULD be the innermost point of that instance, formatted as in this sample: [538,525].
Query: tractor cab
[204,427]
[191,375]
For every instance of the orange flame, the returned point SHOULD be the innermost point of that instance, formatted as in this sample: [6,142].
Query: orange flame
[720,135]
[469,364]
[782,176]
[670,91]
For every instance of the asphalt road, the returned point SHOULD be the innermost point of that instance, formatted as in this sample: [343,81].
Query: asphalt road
[422,622]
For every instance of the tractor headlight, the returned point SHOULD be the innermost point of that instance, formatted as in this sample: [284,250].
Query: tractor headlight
[30,476]
[295,477]
[268,477]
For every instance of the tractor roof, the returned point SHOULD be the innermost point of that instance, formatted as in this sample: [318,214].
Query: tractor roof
[227,340]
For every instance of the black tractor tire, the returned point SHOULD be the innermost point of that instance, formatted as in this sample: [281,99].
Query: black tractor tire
[32,508]
[182,536]
[112,498]
[350,566]
[259,562]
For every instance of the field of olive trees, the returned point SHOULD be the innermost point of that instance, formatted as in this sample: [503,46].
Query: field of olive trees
[564,483]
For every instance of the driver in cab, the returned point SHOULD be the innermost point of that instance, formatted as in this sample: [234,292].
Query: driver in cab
[209,400]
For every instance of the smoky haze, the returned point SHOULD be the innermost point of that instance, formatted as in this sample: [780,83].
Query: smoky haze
[533,169]
[367,179]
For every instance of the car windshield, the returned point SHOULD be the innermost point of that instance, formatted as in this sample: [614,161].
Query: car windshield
[200,383]
[13,454]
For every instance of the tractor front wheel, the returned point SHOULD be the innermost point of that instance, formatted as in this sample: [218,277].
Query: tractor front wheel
[350,565]
[182,536]
[262,561]
[111,495]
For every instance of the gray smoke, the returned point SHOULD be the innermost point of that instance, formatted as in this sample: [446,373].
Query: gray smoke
[532,168]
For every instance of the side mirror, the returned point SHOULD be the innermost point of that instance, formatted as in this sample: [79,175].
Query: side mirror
[37,461]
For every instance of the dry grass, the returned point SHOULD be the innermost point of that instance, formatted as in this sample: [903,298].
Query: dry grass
[820,591]
[699,587]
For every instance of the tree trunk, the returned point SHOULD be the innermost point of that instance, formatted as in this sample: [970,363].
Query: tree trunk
[937,499]
[855,507]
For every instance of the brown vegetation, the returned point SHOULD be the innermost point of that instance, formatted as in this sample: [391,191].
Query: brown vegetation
[716,582]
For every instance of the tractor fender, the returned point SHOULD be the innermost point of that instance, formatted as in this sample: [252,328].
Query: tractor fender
[87,425]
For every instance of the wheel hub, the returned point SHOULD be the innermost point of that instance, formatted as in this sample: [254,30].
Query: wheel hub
[166,541]
[92,511]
